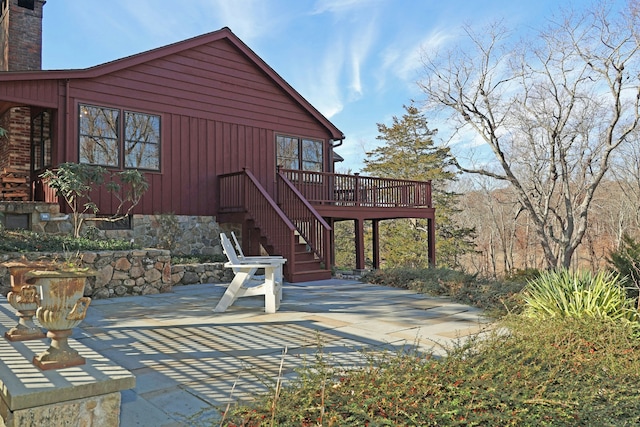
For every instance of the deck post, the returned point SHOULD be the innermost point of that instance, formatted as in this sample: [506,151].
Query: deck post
[359,234]
[375,229]
[431,244]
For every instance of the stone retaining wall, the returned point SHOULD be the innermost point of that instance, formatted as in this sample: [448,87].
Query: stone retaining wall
[135,272]
[120,273]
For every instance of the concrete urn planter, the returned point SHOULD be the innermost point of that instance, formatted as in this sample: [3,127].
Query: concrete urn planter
[23,297]
[61,307]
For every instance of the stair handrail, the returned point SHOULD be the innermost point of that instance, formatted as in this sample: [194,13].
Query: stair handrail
[251,196]
[308,222]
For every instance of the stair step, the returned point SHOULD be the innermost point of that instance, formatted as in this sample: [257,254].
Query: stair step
[307,264]
[307,276]
[305,257]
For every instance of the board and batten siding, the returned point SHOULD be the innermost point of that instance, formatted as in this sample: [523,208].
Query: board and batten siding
[219,114]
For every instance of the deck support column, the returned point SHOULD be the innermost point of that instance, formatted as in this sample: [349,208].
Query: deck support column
[332,252]
[359,234]
[375,229]
[431,244]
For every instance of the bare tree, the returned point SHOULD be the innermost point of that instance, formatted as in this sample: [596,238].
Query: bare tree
[626,169]
[553,110]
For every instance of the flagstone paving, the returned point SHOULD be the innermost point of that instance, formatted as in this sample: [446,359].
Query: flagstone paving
[190,362]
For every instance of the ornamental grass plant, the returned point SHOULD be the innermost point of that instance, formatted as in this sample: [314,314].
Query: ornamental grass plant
[578,294]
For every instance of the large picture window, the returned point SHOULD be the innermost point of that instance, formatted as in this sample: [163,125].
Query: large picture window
[299,153]
[106,140]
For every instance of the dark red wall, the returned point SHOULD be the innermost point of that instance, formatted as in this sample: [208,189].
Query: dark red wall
[219,114]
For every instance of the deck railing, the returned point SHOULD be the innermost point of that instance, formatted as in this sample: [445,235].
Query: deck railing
[241,192]
[356,190]
[311,226]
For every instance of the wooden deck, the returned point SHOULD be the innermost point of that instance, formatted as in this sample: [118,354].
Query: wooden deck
[342,196]
[296,221]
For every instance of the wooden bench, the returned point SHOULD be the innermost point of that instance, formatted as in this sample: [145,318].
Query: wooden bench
[245,281]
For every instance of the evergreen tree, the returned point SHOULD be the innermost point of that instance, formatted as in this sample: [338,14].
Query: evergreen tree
[409,152]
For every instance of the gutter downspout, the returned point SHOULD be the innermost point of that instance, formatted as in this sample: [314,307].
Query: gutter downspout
[331,162]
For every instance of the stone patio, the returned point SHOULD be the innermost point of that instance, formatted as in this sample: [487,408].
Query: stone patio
[189,362]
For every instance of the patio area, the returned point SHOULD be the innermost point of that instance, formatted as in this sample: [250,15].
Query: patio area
[189,362]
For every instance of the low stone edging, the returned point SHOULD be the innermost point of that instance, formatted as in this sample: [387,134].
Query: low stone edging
[190,274]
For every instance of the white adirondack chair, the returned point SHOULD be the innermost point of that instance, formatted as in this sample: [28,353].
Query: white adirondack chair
[241,253]
[245,282]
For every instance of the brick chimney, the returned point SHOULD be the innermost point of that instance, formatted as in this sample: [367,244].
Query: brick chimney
[21,35]
[21,44]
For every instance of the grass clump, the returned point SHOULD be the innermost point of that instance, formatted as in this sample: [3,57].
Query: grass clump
[29,241]
[578,294]
[553,372]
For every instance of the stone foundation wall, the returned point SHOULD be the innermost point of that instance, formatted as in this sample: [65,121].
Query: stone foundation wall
[120,273]
[43,217]
[182,234]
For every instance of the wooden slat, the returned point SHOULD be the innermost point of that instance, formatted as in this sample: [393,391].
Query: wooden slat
[13,180]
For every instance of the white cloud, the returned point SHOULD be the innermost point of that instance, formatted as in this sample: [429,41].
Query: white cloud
[341,6]
[404,58]
[318,77]
[362,40]
[249,19]
[166,22]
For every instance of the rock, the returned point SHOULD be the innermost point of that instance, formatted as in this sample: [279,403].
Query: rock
[122,264]
[152,275]
[190,278]
[104,276]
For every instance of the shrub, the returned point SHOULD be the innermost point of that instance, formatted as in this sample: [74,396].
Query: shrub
[29,241]
[74,182]
[555,372]
[523,275]
[495,297]
[578,294]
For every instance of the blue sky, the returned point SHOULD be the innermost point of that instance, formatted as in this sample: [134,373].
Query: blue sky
[357,61]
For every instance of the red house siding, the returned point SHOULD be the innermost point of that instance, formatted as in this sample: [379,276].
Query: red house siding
[219,113]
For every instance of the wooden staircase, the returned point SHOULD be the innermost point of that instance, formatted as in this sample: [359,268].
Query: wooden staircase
[290,228]
[308,266]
